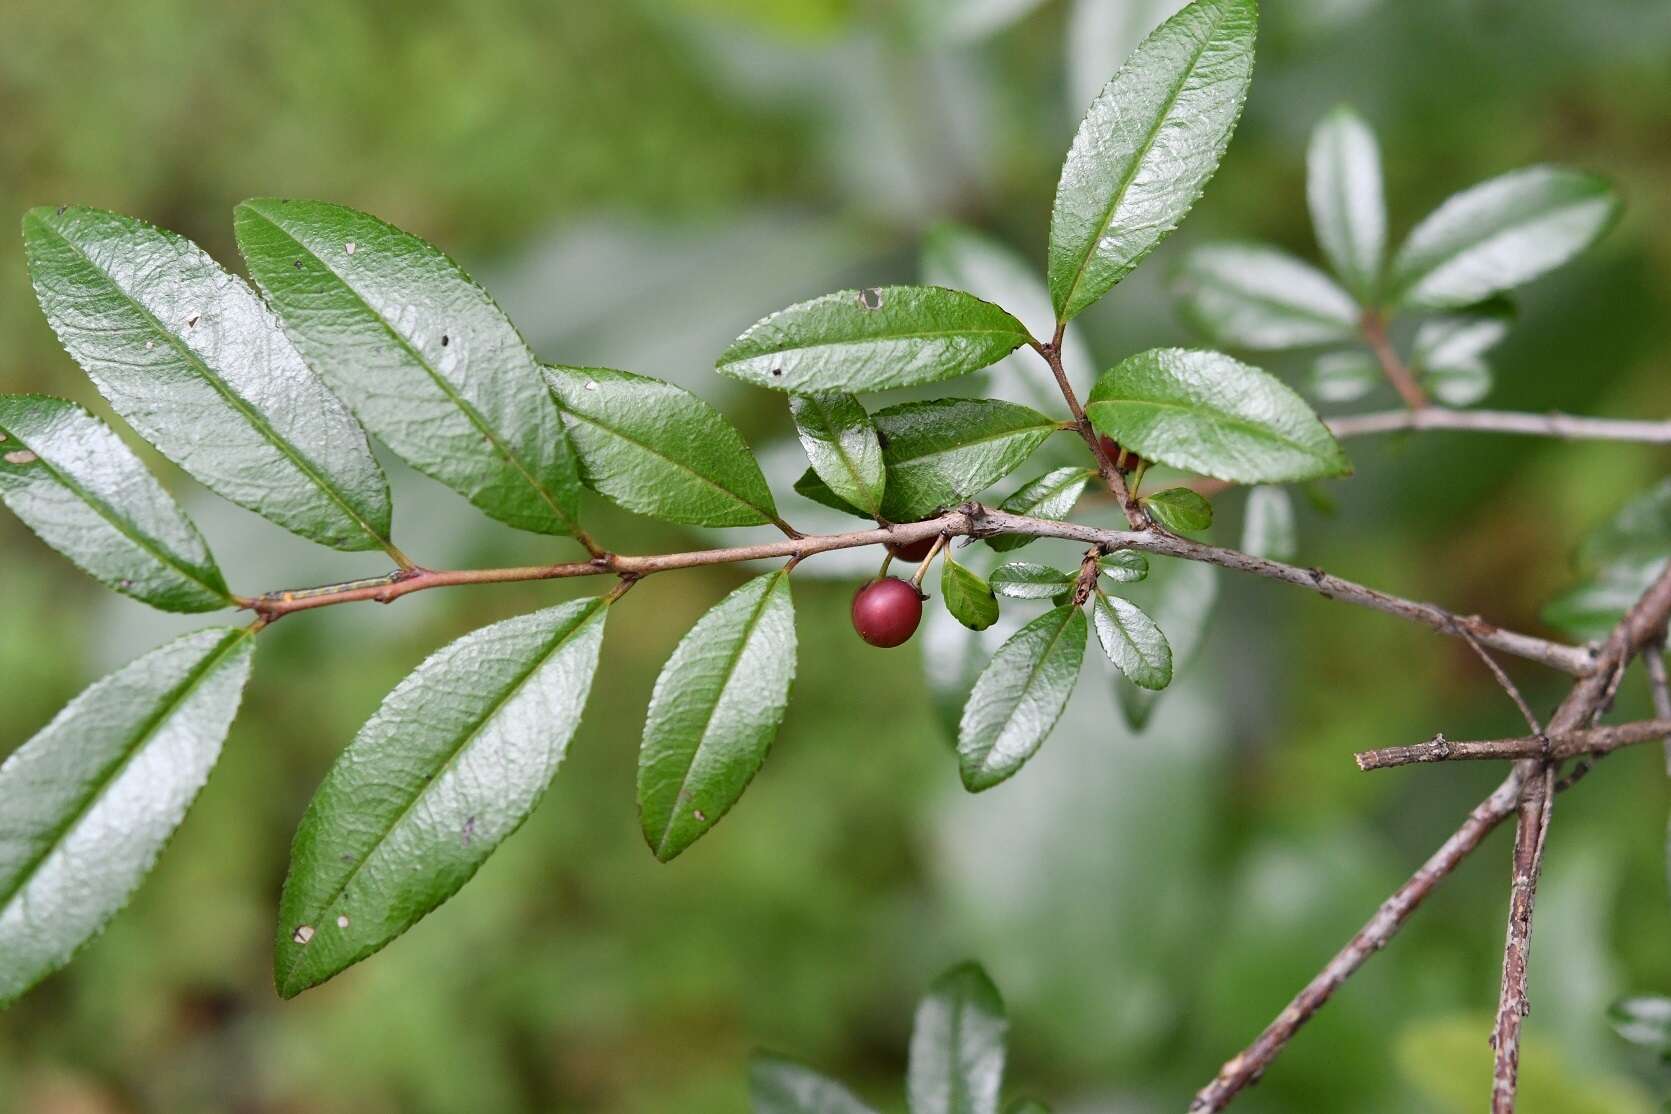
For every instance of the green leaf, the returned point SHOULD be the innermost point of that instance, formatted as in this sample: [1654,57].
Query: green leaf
[716,707]
[812,486]
[449,765]
[420,353]
[1639,531]
[1211,414]
[75,484]
[1460,384]
[873,340]
[90,801]
[1026,1106]
[1347,199]
[197,365]
[1179,596]
[1463,336]
[1644,1021]
[780,1086]
[1268,524]
[1590,609]
[943,451]
[1254,296]
[1500,234]
[1147,147]
[1344,376]
[1132,642]
[659,450]
[841,442]
[1052,496]
[957,1045]
[1019,697]
[968,598]
[1180,510]
[1124,566]
[1021,580]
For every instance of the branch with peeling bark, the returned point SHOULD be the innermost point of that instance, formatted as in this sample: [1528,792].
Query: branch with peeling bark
[1591,741]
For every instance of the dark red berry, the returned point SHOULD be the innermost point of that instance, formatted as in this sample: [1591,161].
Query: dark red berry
[914,552]
[886,612]
[1112,448]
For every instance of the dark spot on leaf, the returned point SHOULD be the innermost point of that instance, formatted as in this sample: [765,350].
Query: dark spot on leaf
[443,340]
[870,298]
[297,264]
[61,209]
[881,439]
[347,858]
[777,371]
[469,831]
[191,322]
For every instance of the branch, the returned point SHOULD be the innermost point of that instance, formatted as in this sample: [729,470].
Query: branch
[1106,468]
[1553,424]
[1530,833]
[1590,695]
[1595,740]
[970,520]
[1653,659]
[1374,329]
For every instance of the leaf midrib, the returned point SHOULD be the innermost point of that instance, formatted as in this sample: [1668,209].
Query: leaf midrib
[236,401]
[1125,632]
[1410,280]
[458,400]
[847,462]
[593,420]
[170,703]
[1220,417]
[511,690]
[1027,686]
[1130,174]
[735,656]
[1046,428]
[142,540]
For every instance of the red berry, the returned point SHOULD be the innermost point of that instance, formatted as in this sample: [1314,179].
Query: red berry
[886,612]
[1112,448]
[914,552]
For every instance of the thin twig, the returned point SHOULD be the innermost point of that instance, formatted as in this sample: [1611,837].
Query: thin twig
[1653,660]
[1530,832]
[1554,424]
[1503,680]
[1590,694]
[1374,329]
[1594,740]
[1106,467]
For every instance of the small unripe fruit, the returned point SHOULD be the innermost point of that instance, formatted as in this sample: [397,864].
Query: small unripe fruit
[886,612]
[913,552]
[1112,448]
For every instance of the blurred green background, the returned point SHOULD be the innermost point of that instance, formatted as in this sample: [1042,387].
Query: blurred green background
[637,181]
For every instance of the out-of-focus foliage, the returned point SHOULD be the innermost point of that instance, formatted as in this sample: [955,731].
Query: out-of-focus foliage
[637,182]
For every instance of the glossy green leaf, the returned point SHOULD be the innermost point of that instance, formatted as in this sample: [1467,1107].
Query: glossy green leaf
[1211,414]
[1051,496]
[88,803]
[1268,524]
[1124,566]
[1022,580]
[780,1086]
[716,707]
[1019,697]
[1460,384]
[1180,510]
[872,340]
[1591,608]
[943,451]
[1179,596]
[419,352]
[957,1045]
[968,598]
[1347,199]
[1639,531]
[1147,147]
[659,450]
[1643,1021]
[841,442]
[75,484]
[1344,376]
[812,486]
[189,356]
[1254,296]
[449,765]
[1500,234]
[1619,560]
[1132,641]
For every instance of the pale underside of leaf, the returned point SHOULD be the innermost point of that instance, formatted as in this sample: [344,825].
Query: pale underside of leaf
[1254,296]
[89,802]
[1133,642]
[958,1046]
[449,766]
[780,1086]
